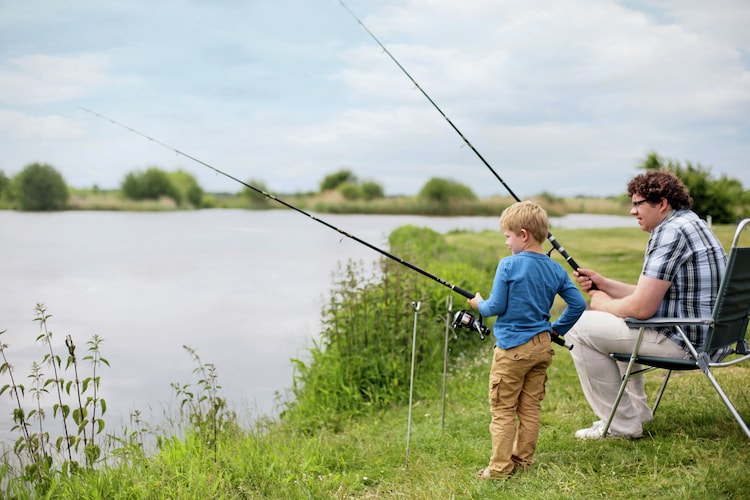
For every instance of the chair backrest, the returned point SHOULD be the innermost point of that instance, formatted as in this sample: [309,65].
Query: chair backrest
[732,306]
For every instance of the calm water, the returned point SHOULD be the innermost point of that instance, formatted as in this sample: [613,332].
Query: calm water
[245,289]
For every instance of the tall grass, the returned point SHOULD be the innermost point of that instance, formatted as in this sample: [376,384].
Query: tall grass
[67,444]
[323,202]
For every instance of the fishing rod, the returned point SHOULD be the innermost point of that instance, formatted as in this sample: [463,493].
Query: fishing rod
[462,319]
[555,244]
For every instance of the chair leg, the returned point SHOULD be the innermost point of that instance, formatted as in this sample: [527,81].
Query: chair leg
[624,383]
[728,403]
[661,392]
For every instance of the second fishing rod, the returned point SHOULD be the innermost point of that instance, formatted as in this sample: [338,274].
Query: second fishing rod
[462,319]
[555,244]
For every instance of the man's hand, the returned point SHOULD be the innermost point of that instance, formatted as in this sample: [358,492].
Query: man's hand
[587,279]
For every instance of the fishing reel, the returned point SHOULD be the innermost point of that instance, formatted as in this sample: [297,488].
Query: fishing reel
[464,319]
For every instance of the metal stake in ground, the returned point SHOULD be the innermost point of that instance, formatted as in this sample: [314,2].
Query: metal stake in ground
[448,322]
[416,306]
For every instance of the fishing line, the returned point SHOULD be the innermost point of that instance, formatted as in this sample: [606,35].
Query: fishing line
[463,318]
[556,245]
[455,288]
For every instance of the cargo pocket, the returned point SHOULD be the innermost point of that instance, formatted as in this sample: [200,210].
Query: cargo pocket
[494,394]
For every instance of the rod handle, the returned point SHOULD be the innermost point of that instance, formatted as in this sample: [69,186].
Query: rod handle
[557,339]
[463,292]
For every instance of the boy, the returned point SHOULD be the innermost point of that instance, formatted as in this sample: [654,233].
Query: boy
[522,295]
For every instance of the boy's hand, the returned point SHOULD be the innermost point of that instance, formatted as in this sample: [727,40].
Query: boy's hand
[474,301]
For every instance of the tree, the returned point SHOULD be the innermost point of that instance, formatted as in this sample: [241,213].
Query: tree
[351,187]
[724,200]
[4,187]
[188,187]
[336,179]
[149,185]
[256,199]
[445,190]
[351,191]
[372,190]
[39,187]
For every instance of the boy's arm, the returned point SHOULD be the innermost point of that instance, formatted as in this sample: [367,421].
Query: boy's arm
[575,305]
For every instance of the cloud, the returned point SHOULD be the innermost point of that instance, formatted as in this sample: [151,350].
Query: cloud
[289,91]
[40,79]
[20,126]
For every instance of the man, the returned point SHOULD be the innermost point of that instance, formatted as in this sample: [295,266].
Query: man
[682,269]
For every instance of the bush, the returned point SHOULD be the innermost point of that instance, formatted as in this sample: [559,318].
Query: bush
[446,190]
[188,187]
[351,191]
[362,360]
[256,199]
[39,187]
[372,190]
[4,188]
[336,179]
[351,188]
[149,185]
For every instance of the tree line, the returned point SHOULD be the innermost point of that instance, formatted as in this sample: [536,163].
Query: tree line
[40,187]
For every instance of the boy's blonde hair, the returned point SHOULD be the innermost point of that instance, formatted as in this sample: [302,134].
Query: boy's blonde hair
[526,215]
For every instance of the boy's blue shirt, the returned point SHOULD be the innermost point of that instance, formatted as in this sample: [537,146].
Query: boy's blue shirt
[522,295]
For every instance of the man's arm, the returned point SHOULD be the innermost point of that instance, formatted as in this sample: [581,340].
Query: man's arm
[589,279]
[642,303]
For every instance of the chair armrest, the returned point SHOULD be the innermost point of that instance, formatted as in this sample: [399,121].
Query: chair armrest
[657,322]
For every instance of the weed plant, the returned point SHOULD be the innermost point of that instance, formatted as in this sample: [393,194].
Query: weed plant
[40,461]
[75,405]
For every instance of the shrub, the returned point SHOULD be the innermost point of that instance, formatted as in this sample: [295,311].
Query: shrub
[446,190]
[362,360]
[372,190]
[351,191]
[149,185]
[336,179]
[188,187]
[256,199]
[39,187]
[4,184]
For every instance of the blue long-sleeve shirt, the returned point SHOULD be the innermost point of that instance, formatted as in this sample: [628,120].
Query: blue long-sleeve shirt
[522,295]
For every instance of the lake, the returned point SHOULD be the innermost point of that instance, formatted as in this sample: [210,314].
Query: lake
[243,288]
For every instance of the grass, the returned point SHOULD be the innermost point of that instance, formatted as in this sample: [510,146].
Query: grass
[334,202]
[692,450]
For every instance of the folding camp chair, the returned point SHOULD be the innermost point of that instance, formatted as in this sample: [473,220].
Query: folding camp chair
[727,327]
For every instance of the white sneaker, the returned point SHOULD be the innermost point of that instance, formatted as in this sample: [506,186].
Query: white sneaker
[594,432]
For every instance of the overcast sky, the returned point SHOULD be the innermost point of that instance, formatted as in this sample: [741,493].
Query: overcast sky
[562,96]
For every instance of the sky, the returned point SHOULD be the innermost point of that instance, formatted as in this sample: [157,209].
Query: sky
[565,97]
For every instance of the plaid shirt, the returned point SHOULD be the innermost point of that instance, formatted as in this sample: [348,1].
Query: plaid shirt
[683,250]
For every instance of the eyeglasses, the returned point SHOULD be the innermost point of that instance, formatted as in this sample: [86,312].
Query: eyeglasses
[636,204]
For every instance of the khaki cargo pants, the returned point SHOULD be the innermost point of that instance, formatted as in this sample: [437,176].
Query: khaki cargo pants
[516,390]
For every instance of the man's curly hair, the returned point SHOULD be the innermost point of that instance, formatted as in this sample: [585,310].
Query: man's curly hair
[657,184]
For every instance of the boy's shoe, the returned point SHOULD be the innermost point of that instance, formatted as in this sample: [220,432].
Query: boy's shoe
[485,474]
